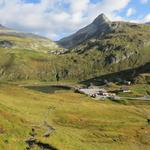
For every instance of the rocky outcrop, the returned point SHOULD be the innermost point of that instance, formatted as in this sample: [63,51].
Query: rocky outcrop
[98,28]
[5,44]
[112,59]
[58,52]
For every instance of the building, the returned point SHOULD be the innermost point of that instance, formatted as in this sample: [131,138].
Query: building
[124,90]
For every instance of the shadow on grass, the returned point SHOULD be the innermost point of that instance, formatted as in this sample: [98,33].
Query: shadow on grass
[43,146]
[128,74]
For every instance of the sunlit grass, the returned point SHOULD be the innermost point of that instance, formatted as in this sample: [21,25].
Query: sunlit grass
[80,122]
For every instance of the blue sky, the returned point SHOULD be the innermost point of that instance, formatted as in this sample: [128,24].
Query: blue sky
[142,9]
[58,18]
[31,1]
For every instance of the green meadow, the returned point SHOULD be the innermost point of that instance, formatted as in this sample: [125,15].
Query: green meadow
[80,122]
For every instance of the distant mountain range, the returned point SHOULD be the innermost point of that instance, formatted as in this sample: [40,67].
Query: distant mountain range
[25,40]
[99,49]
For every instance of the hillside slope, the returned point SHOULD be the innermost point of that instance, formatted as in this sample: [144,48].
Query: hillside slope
[140,75]
[10,38]
[79,122]
[112,47]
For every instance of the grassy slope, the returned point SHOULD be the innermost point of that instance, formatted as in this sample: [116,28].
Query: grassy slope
[26,61]
[25,41]
[79,122]
[27,65]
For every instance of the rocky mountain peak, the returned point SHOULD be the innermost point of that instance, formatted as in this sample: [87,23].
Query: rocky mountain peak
[101,19]
[100,26]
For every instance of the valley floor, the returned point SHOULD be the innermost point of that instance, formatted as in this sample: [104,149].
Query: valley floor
[80,123]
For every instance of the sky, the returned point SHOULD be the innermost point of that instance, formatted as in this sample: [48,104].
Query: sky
[58,18]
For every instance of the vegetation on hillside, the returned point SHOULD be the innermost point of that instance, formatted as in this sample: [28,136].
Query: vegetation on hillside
[79,122]
[24,58]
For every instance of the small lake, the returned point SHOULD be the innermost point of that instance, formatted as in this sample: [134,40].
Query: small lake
[49,88]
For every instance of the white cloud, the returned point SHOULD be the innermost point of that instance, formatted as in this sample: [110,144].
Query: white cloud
[54,17]
[141,19]
[144,1]
[147,18]
[130,12]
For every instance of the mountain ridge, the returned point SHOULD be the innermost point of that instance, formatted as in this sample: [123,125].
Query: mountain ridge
[16,39]
[100,25]
[9,31]
[110,47]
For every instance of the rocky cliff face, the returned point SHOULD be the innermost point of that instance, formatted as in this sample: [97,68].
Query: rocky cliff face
[97,29]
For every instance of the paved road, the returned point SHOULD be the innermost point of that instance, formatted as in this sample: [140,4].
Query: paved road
[136,98]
